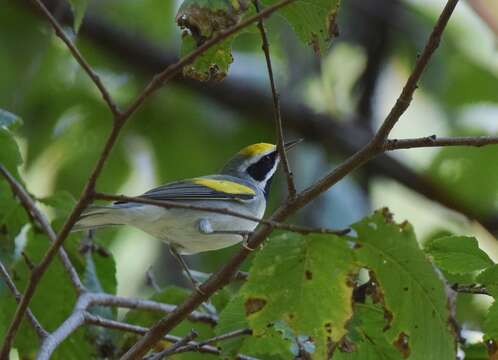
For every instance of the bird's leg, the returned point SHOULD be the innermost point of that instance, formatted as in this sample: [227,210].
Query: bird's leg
[185,268]
[206,228]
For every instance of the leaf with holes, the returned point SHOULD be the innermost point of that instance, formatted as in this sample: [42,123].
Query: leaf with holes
[458,254]
[366,339]
[272,344]
[201,20]
[410,289]
[314,21]
[302,281]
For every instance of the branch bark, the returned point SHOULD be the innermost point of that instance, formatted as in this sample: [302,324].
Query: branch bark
[372,149]
[40,331]
[172,204]
[276,107]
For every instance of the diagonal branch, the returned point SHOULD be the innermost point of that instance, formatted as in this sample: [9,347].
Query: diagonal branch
[173,349]
[172,204]
[79,58]
[31,208]
[411,84]
[276,107]
[42,333]
[434,141]
[201,347]
[369,151]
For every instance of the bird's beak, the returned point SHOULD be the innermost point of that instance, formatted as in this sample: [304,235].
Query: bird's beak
[289,145]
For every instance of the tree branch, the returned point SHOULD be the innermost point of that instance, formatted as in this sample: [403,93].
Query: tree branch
[215,339]
[79,58]
[434,141]
[86,300]
[411,84]
[372,149]
[276,107]
[40,331]
[139,330]
[470,289]
[224,211]
[39,217]
[173,349]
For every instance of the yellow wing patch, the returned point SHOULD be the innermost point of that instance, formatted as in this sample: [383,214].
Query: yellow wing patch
[256,149]
[225,186]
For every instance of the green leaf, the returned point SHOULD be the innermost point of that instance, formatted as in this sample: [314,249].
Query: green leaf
[9,120]
[312,20]
[79,9]
[12,216]
[490,325]
[412,292]
[458,254]
[489,278]
[271,344]
[204,19]
[294,274]
[212,65]
[367,333]
[10,157]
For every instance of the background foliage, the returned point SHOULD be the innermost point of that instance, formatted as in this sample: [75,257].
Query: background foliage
[302,294]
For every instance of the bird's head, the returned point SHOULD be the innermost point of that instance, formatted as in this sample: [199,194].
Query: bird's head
[257,162]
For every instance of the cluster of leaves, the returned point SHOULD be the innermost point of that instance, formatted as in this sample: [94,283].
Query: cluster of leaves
[313,22]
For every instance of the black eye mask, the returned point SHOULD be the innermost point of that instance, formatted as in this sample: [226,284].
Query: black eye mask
[260,169]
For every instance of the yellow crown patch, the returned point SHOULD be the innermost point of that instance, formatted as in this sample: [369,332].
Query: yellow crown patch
[225,186]
[256,149]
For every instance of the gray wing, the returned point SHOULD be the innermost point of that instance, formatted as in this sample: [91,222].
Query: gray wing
[186,190]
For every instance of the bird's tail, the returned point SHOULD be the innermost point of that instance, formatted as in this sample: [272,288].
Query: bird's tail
[95,217]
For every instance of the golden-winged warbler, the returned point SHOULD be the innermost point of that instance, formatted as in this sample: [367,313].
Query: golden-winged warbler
[241,186]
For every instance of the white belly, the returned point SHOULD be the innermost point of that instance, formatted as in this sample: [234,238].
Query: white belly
[180,227]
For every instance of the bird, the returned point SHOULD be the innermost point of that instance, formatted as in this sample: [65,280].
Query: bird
[242,186]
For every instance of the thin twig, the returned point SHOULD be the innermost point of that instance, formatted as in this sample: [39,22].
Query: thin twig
[42,333]
[225,211]
[276,107]
[434,141]
[150,280]
[139,330]
[87,300]
[213,340]
[29,205]
[79,58]
[411,84]
[372,149]
[172,349]
[470,289]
